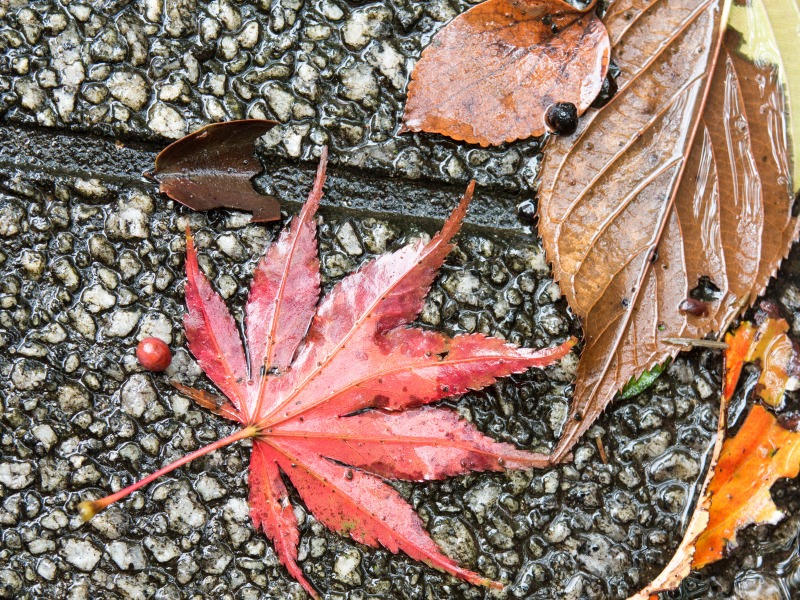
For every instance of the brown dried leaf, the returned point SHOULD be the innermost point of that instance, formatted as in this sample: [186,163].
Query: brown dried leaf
[489,76]
[213,167]
[681,177]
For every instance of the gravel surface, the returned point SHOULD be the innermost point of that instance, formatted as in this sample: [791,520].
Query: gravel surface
[91,261]
[331,71]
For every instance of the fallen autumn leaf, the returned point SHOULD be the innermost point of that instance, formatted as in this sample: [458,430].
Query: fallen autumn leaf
[678,189]
[761,453]
[214,167]
[335,394]
[490,75]
[741,470]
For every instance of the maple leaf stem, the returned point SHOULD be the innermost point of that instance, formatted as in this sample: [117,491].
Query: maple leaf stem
[90,509]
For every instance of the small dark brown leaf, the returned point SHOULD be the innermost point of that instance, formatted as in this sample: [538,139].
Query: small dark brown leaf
[213,167]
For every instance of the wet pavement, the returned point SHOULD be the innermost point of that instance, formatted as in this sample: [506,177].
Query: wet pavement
[91,261]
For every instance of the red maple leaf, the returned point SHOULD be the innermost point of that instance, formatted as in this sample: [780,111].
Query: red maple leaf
[335,393]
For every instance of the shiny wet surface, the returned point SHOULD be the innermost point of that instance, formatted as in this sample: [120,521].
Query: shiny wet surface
[92,261]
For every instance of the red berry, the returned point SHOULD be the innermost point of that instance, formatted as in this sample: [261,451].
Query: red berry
[153,354]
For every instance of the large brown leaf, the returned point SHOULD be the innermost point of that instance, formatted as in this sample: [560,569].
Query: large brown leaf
[490,75]
[214,167]
[681,179]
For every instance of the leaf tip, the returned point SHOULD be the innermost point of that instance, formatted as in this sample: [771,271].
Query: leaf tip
[322,169]
[555,459]
[457,217]
[315,196]
[470,188]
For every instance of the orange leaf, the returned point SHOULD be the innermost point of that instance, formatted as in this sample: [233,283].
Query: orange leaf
[739,343]
[681,563]
[771,348]
[490,75]
[760,454]
[727,499]
[775,351]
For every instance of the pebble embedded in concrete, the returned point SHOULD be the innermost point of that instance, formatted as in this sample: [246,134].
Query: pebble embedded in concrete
[129,88]
[121,323]
[81,554]
[127,556]
[137,394]
[16,475]
[166,121]
[346,566]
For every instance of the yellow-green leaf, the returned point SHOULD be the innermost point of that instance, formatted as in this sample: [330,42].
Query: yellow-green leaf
[771,36]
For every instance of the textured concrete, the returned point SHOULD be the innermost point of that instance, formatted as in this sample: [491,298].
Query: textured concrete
[91,261]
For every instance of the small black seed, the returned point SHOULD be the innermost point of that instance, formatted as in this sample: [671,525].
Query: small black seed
[562,118]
